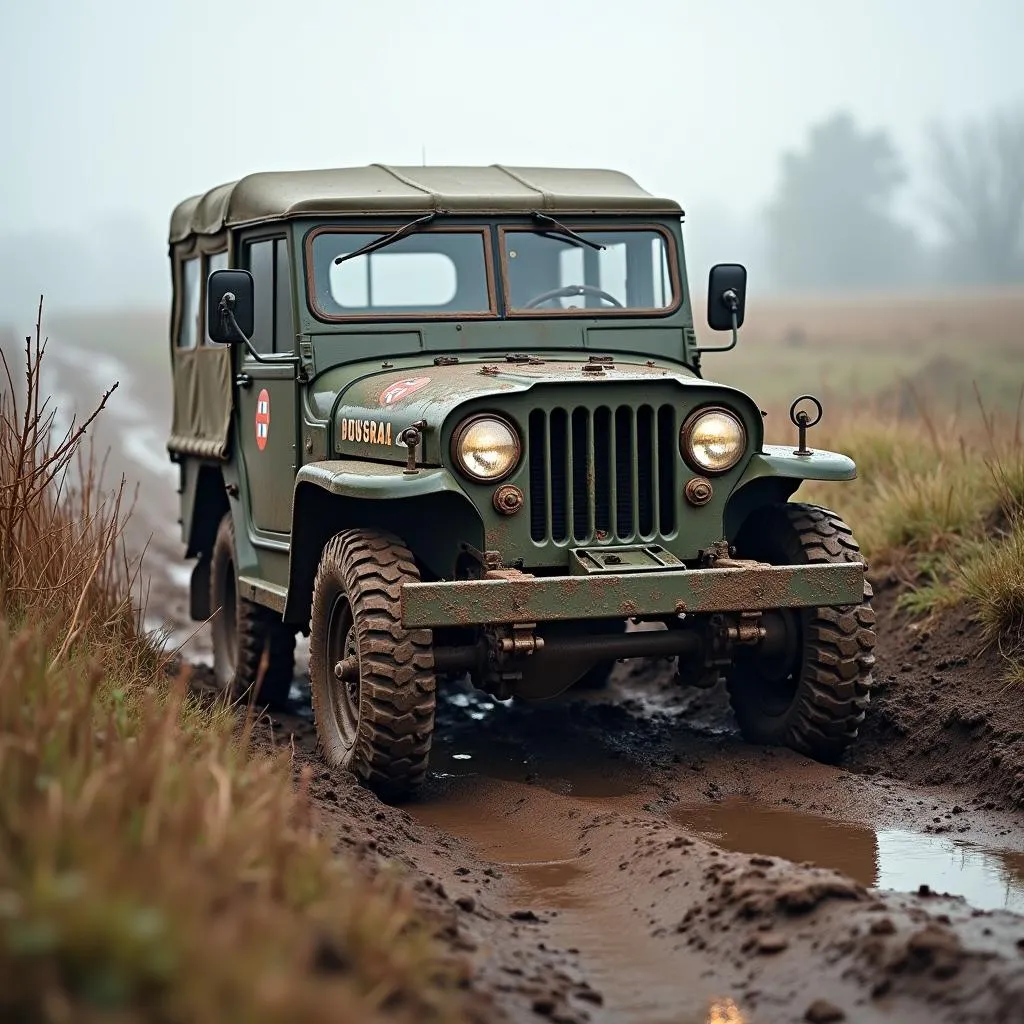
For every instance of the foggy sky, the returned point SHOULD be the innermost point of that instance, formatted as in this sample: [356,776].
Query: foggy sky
[125,107]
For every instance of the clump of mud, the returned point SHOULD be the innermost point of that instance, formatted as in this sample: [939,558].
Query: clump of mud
[941,711]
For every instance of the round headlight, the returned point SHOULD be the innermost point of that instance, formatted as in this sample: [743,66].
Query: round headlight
[712,440]
[486,448]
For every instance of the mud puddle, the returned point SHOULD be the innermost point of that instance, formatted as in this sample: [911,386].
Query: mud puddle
[885,858]
[529,838]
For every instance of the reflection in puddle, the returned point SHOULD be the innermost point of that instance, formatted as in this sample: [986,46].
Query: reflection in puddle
[479,736]
[583,773]
[894,859]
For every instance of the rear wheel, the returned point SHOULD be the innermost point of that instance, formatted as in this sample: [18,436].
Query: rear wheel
[377,721]
[812,696]
[252,647]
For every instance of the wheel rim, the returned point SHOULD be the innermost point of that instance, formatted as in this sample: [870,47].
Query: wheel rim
[775,681]
[342,643]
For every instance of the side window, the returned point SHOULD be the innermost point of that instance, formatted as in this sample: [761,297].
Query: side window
[215,261]
[271,280]
[284,330]
[191,287]
[261,266]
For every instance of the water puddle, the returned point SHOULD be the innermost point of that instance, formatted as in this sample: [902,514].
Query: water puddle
[480,737]
[884,858]
[526,835]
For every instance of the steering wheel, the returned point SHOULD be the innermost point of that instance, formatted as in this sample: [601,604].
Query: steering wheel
[572,289]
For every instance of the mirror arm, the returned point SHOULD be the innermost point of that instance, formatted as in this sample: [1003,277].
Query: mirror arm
[731,300]
[227,315]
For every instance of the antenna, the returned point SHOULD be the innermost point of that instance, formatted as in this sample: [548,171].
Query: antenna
[423,149]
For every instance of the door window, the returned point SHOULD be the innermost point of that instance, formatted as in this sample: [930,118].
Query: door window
[272,307]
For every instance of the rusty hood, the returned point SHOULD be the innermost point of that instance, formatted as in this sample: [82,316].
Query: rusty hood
[369,414]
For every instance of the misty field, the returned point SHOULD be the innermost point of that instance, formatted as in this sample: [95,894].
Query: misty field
[879,349]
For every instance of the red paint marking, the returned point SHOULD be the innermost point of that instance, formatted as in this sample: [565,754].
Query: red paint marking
[402,389]
[262,419]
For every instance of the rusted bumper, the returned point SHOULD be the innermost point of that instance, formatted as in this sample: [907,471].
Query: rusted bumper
[563,598]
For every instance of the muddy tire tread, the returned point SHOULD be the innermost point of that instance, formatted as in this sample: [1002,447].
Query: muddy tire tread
[839,641]
[397,686]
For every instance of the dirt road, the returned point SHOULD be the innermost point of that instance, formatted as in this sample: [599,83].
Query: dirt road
[624,857]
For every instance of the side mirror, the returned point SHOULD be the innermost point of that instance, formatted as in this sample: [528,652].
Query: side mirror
[727,296]
[229,306]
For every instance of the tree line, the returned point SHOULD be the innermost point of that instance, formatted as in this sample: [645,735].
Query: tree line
[833,222]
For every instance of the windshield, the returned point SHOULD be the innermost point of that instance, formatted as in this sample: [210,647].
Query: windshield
[429,273]
[549,273]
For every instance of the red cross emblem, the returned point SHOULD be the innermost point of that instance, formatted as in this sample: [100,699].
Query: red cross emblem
[402,389]
[262,419]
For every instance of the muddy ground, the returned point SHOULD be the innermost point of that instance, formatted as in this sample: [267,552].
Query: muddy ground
[623,856]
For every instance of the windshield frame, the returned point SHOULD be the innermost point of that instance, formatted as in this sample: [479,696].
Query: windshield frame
[383,228]
[671,248]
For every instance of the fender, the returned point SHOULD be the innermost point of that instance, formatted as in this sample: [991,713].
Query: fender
[779,460]
[344,494]
[775,473]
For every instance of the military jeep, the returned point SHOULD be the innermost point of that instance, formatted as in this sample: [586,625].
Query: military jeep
[450,421]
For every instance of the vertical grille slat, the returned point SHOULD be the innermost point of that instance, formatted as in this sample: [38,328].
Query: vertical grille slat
[582,491]
[536,446]
[557,454]
[604,474]
[646,471]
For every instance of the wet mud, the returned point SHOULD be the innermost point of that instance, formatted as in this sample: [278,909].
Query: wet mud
[623,856]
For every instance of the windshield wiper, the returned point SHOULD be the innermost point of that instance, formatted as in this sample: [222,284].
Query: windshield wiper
[561,229]
[379,243]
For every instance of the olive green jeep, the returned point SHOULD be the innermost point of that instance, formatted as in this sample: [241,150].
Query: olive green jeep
[450,421]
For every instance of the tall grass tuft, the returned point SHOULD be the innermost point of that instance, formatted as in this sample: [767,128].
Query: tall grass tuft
[940,501]
[152,865]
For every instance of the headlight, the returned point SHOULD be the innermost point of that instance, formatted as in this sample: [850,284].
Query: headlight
[712,440]
[486,448]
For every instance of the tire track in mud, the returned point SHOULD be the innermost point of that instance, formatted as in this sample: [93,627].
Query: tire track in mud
[601,818]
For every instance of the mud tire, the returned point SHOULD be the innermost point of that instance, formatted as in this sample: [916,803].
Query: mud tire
[243,632]
[815,708]
[379,729]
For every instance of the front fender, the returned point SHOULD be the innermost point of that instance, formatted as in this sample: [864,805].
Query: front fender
[354,478]
[779,460]
[775,473]
[428,510]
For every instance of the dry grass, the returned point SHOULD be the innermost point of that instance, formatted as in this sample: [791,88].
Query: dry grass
[939,501]
[152,866]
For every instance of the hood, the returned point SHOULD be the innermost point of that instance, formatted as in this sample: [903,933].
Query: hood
[369,414]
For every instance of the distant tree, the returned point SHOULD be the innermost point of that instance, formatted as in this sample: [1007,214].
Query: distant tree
[978,195]
[831,225]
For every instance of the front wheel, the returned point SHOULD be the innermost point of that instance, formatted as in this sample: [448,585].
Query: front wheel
[812,696]
[372,681]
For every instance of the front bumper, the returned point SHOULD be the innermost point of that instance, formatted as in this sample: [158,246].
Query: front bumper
[622,596]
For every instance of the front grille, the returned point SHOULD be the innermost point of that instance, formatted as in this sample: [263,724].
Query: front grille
[602,474]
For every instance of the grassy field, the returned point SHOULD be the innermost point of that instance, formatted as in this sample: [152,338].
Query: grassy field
[153,865]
